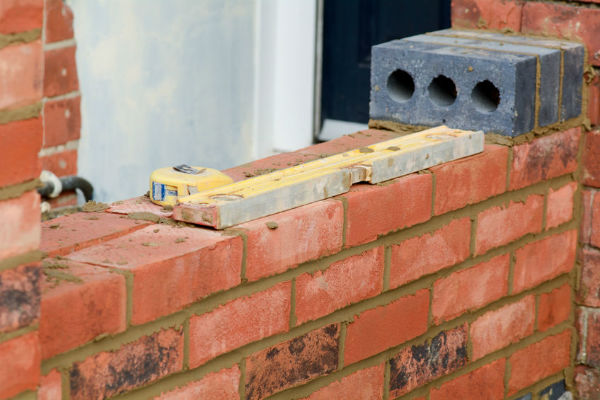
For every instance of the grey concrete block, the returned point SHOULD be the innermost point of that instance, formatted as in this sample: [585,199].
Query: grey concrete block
[468,88]
[553,391]
[549,68]
[525,397]
[573,55]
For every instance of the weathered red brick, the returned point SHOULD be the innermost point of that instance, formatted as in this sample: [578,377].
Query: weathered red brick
[423,255]
[239,322]
[486,382]
[590,224]
[19,297]
[554,307]
[565,21]
[172,267]
[544,158]
[417,365]
[69,233]
[20,218]
[95,298]
[60,72]
[499,328]
[365,384]
[21,15]
[65,199]
[470,289]
[302,234]
[592,339]
[386,326]
[59,21]
[501,225]
[62,120]
[594,101]
[344,282]
[22,74]
[591,159]
[50,386]
[292,363]
[286,160]
[487,14]
[134,364]
[543,260]
[222,385]
[376,210]
[559,208]
[587,382]
[63,163]
[19,365]
[20,142]
[589,288]
[539,360]
[470,180]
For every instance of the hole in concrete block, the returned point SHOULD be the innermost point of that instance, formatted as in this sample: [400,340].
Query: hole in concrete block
[485,96]
[442,91]
[400,85]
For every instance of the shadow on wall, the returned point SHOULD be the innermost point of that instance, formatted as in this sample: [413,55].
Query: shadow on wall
[162,85]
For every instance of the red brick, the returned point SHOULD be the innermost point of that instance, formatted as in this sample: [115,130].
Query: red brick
[63,163]
[302,234]
[366,384]
[239,322]
[21,15]
[50,386]
[554,307]
[292,363]
[96,301]
[543,260]
[544,158]
[62,120]
[19,365]
[594,101]
[21,141]
[22,74]
[591,159]
[486,382]
[590,225]
[141,204]
[69,233]
[487,14]
[375,210]
[587,382]
[65,199]
[539,360]
[59,21]
[499,328]
[592,339]
[222,385]
[134,364]
[344,282]
[172,267]
[376,330]
[559,208]
[500,225]
[565,21]
[60,72]
[424,255]
[20,231]
[285,160]
[585,226]
[19,297]
[470,180]
[589,286]
[470,289]
[417,365]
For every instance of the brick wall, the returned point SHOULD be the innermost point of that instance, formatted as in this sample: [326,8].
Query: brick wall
[574,20]
[36,109]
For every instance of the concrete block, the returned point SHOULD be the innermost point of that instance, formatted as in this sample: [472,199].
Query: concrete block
[471,88]
[553,391]
[572,53]
[549,68]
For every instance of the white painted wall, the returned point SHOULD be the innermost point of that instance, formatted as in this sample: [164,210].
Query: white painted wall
[202,82]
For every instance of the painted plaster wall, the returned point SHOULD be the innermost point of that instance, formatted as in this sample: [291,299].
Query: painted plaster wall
[163,82]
